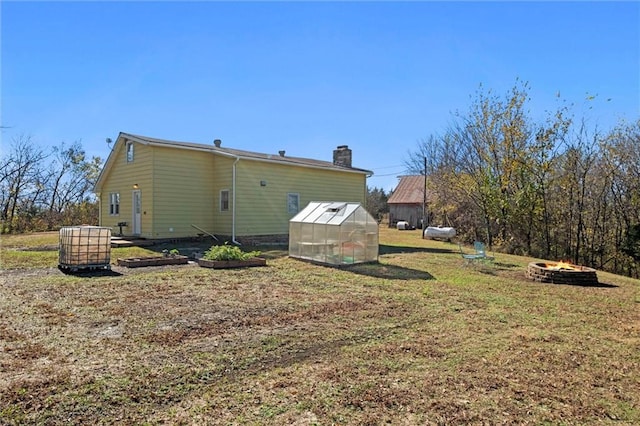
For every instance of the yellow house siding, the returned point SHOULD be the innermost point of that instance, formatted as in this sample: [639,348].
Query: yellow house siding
[180,186]
[262,210]
[121,178]
[183,189]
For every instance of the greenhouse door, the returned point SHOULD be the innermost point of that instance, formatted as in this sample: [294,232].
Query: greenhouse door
[136,220]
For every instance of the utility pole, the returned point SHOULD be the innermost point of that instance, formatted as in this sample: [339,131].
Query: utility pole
[424,199]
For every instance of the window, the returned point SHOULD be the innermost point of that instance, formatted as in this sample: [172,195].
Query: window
[224,200]
[114,203]
[129,152]
[293,203]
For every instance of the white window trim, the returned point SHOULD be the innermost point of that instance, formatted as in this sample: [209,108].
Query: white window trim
[297,196]
[228,200]
[114,204]
[129,152]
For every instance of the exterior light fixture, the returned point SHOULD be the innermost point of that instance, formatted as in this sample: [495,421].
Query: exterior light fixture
[135,186]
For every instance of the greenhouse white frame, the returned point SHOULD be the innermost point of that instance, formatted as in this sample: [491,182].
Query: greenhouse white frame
[335,233]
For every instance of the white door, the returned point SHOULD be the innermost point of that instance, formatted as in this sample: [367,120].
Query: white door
[137,213]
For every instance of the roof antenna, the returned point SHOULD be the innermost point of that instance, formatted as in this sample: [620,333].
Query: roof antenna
[109,142]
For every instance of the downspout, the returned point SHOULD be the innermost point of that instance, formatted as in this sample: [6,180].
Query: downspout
[99,209]
[366,187]
[233,200]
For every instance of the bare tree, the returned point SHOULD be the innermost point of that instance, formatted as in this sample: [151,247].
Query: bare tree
[21,175]
[69,180]
[36,195]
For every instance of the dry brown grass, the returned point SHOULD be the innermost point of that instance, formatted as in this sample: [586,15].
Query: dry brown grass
[416,339]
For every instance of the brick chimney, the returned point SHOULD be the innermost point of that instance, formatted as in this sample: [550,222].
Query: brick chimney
[342,156]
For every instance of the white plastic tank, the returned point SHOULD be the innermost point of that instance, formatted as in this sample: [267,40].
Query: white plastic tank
[402,225]
[83,247]
[444,233]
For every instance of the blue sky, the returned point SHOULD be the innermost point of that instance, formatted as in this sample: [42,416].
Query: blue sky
[304,77]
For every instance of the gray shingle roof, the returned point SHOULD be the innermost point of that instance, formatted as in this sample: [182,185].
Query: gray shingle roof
[305,162]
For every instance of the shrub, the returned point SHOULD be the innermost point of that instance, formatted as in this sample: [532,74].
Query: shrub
[228,252]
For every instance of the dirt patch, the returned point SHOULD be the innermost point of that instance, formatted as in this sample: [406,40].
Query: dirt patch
[47,247]
[416,339]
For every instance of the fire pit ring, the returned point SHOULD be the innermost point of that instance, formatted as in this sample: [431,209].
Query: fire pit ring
[561,273]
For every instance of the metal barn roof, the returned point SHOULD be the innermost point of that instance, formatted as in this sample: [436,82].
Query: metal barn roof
[410,190]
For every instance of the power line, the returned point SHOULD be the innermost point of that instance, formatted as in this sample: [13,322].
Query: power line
[388,174]
[389,167]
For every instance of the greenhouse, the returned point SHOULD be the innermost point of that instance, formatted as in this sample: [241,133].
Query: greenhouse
[335,233]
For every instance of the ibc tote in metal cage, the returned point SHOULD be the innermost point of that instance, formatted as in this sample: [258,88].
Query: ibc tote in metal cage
[335,233]
[84,247]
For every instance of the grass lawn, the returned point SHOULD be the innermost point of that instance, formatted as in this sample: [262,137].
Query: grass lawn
[418,338]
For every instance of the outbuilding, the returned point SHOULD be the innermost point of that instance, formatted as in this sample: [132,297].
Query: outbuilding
[407,203]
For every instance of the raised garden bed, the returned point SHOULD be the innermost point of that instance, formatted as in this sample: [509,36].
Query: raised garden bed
[225,264]
[137,262]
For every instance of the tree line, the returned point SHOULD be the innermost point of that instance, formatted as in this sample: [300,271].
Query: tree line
[376,202]
[556,188]
[43,189]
